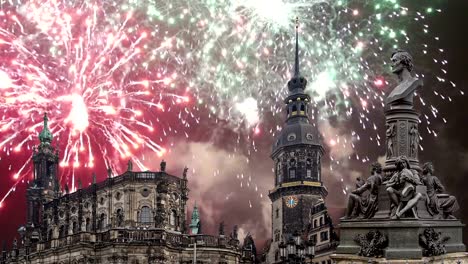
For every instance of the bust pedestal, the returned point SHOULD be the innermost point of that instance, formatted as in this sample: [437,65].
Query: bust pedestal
[402,136]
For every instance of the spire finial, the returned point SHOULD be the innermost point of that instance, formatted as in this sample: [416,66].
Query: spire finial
[45,119]
[296,63]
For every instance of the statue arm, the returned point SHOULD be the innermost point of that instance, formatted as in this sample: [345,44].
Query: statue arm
[438,186]
[362,189]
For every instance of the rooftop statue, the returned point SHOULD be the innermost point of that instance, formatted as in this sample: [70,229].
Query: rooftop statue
[402,66]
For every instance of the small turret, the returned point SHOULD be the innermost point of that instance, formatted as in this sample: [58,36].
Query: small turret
[195,225]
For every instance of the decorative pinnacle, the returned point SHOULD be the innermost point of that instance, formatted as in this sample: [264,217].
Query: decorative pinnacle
[296,64]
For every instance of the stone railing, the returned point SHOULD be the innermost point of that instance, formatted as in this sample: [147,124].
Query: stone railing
[153,236]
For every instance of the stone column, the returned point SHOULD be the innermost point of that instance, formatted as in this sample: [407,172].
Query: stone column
[402,137]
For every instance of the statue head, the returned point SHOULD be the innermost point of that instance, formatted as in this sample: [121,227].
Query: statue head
[376,168]
[428,168]
[402,163]
[401,60]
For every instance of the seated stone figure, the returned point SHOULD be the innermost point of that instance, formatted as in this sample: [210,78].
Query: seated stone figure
[402,188]
[437,201]
[365,206]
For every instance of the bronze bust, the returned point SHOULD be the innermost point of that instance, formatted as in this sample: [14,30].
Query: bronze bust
[402,66]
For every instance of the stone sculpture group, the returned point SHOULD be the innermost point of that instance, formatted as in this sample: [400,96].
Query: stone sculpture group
[401,210]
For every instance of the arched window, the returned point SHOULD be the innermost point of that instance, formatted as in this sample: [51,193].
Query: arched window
[278,173]
[172,218]
[302,108]
[292,169]
[294,109]
[75,227]
[62,231]
[145,215]
[88,224]
[308,168]
[102,221]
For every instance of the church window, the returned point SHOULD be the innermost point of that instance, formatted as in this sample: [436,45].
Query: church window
[62,231]
[145,215]
[118,195]
[101,201]
[277,212]
[278,173]
[292,168]
[102,221]
[173,217]
[292,173]
[302,108]
[291,137]
[294,108]
[88,224]
[49,235]
[276,255]
[75,227]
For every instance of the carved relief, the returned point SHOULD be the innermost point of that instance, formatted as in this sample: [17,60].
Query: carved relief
[414,140]
[432,242]
[402,134]
[371,244]
[391,132]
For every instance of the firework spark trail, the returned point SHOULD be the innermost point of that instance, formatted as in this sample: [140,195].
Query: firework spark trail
[83,66]
[103,68]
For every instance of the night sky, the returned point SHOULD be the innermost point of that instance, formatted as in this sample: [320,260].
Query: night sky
[222,194]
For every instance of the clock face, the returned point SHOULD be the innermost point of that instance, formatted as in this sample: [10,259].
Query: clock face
[291,201]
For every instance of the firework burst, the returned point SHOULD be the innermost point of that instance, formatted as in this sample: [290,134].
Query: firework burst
[116,76]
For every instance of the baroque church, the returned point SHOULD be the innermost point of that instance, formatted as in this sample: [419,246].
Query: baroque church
[136,217]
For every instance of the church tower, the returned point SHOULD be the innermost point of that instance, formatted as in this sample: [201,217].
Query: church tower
[45,186]
[296,154]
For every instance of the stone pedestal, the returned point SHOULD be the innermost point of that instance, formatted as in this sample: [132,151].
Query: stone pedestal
[452,258]
[402,236]
[402,136]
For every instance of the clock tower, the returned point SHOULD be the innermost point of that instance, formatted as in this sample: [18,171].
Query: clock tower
[296,154]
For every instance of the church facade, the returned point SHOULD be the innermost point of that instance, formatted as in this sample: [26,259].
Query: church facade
[135,217]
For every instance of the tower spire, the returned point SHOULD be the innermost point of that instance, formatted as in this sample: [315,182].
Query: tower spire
[297,83]
[296,62]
